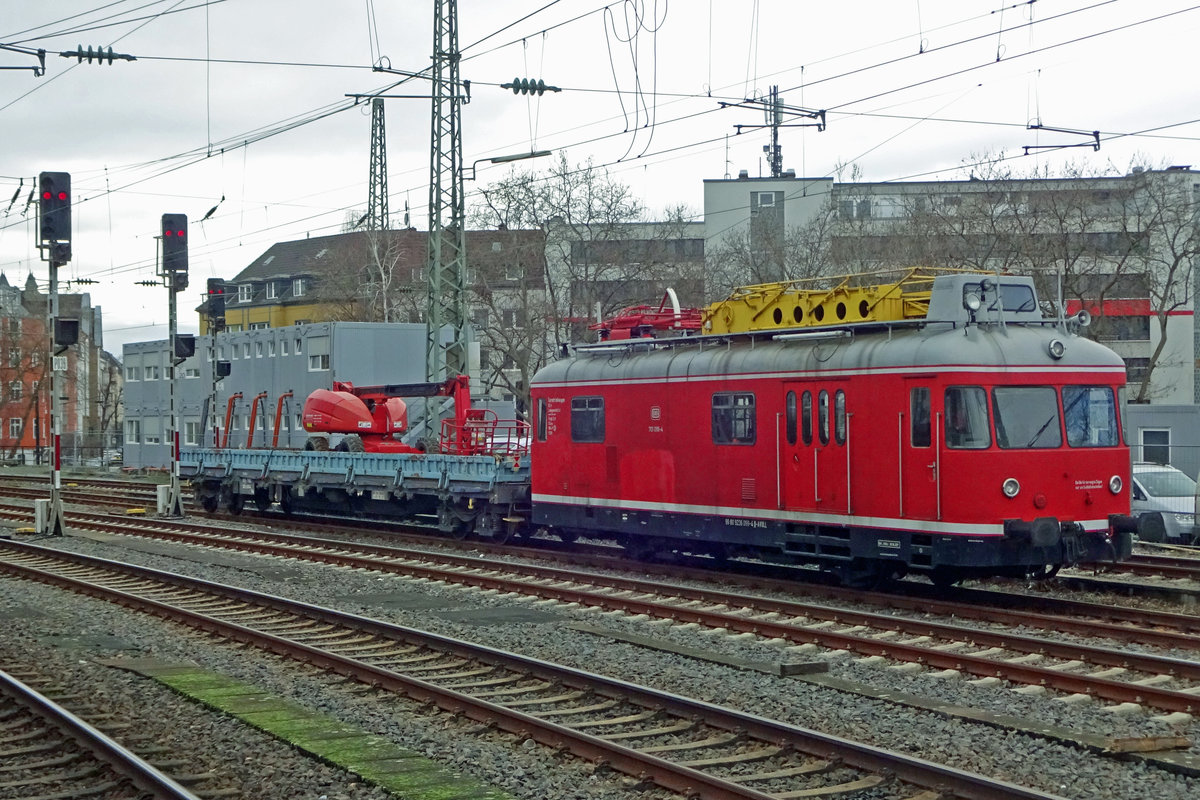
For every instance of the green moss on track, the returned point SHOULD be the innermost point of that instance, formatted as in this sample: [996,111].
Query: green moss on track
[372,757]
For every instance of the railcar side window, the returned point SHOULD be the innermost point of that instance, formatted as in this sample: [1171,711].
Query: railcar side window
[789,417]
[839,417]
[806,420]
[823,416]
[1091,416]
[587,419]
[541,419]
[1026,417]
[733,418]
[967,418]
[918,408]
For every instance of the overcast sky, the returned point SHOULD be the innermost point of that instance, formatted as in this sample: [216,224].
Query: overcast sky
[913,89]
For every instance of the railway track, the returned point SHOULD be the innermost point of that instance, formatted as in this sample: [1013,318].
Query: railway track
[684,745]
[1170,685]
[46,751]
[124,493]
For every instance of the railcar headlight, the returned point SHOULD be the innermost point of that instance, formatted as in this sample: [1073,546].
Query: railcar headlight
[1115,484]
[1056,348]
[972,302]
[1011,487]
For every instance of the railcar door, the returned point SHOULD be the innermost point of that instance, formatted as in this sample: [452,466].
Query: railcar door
[814,448]
[917,435]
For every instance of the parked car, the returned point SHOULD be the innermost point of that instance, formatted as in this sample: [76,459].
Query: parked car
[1163,501]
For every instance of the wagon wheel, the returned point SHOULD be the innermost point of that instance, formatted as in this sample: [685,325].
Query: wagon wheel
[262,498]
[945,577]
[1041,572]
[459,523]
[568,537]
[865,574]
[285,501]
[210,502]
[1151,528]
[234,502]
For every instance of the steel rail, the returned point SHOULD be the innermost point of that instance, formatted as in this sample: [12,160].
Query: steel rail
[664,773]
[1105,688]
[138,772]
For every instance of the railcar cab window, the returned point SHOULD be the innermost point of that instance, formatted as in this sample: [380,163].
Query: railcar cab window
[967,418]
[587,419]
[1090,413]
[733,418]
[1026,417]
[1014,296]
[918,408]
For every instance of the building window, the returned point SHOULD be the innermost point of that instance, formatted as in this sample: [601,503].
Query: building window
[14,428]
[587,419]
[271,349]
[1137,370]
[1156,445]
[272,290]
[191,372]
[191,433]
[133,431]
[283,347]
[245,292]
[133,373]
[14,357]
[14,390]
[733,418]
[298,342]
[245,349]
[298,287]
[316,363]
[151,373]
[259,326]
[258,349]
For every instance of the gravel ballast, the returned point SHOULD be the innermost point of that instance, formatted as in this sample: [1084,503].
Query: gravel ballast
[532,771]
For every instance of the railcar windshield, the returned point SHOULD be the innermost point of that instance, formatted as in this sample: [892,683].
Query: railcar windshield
[1026,417]
[1016,297]
[1091,416]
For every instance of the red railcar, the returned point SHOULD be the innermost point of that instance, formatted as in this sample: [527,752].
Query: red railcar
[978,439]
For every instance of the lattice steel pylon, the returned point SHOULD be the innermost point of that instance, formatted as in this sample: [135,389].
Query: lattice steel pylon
[377,203]
[447,268]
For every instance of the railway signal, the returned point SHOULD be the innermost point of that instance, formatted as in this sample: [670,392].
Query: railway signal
[216,304]
[54,214]
[175,250]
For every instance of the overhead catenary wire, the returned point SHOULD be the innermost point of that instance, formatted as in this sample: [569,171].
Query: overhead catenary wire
[700,143]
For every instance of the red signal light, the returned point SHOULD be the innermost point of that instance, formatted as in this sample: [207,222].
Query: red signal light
[62,195]
[47,195]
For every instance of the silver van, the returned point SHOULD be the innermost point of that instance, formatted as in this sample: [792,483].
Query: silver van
[1163,501]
